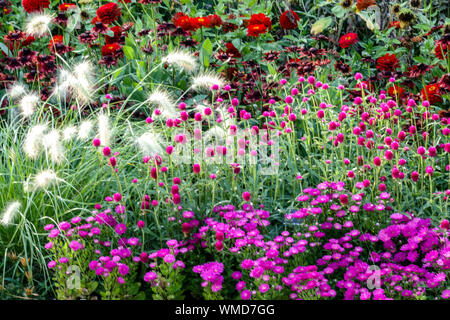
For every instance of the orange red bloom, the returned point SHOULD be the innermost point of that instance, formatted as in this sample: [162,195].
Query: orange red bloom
[431,93]
[288,20]
[35,5]
[388,62]
[348,39]
[108,13]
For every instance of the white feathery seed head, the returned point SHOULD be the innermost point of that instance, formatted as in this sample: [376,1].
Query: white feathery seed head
[181,59]
[53,147]
[104,133]
[164,102]
[45,179]
[10,213]
[16,91]
[84,74]
[150,144]
[38,24]
[206,81]
[33,140]
[69,133]
[85,129]
[27,104]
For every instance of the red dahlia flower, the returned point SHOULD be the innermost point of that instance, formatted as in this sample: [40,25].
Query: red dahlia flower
[232,50]
[260,18]
[388,62]
[200,22]
[66,6]
[214,20]
[364,4]
[35,5]
[117,35]
[442,49]
[348,39]
[108,13]
[111,49]
[182,21]
[56,39]
[396,91]
[288,20]
[431,93]
[254,30]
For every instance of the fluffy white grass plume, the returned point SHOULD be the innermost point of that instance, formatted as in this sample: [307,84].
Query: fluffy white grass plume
[10,213]
[206,81]
[53,147]
[69,133]
[45,179]
[16,91]
[150,144]
[79,83]
[38,25]
[84,74]
[181,59]
[27,104]
[33,140]
[164,102]
[85,129]
[104,132]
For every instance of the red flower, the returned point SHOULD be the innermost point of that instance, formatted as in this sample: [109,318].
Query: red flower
[111,49]
[182,21]
[214,20]
[431,93]
[109,12]
[254,30]
[442,49]
[232,50]
[288,20]
[199,22]
[35,5]
[56,39]
[364,4]
[396,91]
[66,6]
[260,18]
[117,34]
[348,39]
[395,24]
[388,62]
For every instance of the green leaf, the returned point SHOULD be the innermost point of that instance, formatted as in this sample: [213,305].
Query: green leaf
[338,11]
[321,24]
[129,52]
[206,52]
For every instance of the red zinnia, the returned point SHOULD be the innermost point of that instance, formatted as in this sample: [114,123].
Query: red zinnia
[288,20]
[109,12]
[182,21]
[200,22]
[396,91]
[254,30]
[117,34]
[232,50]
[442,49]
[35,5]
[110,49]
[431,93]
[260,18]
[388,62]
[348,39]
[56,39]
[66,6]
[214,20]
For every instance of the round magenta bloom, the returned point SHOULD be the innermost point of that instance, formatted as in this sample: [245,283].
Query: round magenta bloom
[246,195]
[196,168]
